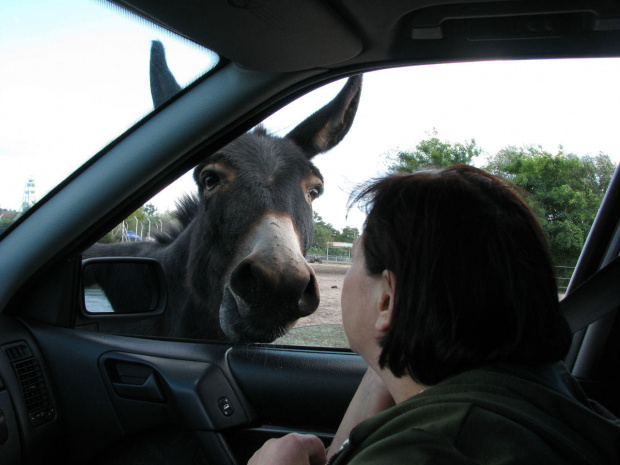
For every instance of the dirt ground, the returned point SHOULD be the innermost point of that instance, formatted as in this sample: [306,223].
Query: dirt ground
[324,327]
[330,278]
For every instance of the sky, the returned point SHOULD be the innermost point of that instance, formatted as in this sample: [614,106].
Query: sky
[70,85]
[573,104]
[74,75]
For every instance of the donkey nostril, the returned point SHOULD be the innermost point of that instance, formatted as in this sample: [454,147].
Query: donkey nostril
[310,298]
[246,278]
[268,288]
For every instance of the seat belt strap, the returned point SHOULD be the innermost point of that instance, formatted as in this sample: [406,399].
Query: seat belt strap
[594,298]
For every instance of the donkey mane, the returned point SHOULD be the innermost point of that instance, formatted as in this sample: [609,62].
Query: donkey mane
[186,210]
[260,130]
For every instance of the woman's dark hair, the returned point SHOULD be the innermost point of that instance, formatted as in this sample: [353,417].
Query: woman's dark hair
[474,278]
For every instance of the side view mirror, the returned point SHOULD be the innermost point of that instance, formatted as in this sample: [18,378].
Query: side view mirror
[122,287]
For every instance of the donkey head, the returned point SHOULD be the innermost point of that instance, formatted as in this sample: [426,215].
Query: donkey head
[254,224]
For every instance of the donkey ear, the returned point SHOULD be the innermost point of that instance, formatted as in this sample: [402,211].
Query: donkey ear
[163,84]
[327,127]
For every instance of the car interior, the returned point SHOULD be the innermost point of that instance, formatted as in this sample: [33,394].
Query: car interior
[72,393]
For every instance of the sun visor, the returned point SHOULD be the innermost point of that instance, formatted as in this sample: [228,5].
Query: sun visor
[264,35]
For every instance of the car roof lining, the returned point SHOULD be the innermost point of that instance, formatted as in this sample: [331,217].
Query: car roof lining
[274,36]
[266,36]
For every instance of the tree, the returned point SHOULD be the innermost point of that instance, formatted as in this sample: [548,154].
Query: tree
[566,189]
[323,233]
[348,235]
[434,153]
[566,192]
[150,210]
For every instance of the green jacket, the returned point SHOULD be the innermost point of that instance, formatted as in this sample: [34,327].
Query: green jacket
[500,415]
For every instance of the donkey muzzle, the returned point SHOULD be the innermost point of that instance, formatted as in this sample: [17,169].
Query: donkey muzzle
[271,285]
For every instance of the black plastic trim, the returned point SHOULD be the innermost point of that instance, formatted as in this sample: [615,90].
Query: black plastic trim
[308,389]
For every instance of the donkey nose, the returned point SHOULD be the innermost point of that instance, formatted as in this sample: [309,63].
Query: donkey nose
[263,284]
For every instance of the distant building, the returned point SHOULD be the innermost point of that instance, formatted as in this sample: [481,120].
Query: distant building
[6,218]
[9,215]
[346,245]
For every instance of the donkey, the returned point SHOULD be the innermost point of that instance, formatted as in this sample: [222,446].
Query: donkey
[236,265]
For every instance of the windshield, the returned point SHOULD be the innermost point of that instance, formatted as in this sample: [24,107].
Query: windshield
[74,76]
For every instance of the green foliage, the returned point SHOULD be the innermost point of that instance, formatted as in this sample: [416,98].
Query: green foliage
[324,233]
[314,250]
[149,210]
[566,192]
[348,234]
[434,153]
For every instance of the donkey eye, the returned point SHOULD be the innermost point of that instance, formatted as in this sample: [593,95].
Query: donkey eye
[211,181]
[313,193]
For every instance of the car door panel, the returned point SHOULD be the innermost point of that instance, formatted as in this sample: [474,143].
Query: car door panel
[192,393]
[295,387]
[139,390]
[292,390]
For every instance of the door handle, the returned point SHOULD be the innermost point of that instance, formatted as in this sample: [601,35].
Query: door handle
[135,381]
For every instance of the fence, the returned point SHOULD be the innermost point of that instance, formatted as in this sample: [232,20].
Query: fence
[315,258]
[135,231]
[564,275]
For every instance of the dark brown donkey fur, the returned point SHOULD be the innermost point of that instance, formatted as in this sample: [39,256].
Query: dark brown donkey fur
[236,268]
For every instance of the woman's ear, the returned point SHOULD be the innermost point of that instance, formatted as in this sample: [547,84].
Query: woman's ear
[386,301]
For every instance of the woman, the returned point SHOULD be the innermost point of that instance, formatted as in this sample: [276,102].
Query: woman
[452,302]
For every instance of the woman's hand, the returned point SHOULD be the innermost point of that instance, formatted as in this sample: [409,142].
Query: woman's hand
[292,449]
[370,398]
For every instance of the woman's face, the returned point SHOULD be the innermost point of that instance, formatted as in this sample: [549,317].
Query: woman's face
[359,299]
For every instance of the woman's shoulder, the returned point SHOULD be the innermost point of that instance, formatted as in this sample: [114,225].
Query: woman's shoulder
[496,411]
